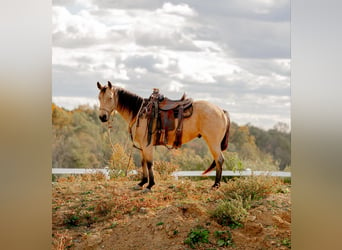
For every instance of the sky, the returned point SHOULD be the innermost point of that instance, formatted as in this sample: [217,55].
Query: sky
[234,53]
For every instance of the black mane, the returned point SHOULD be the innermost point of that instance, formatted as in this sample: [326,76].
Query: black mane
[129,101]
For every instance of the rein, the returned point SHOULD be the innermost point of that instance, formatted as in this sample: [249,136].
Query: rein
[109,127]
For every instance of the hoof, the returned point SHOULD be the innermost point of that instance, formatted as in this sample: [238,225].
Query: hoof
[146,190]
[137,187]
[216,186]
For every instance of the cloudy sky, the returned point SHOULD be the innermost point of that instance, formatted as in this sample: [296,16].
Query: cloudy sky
[234,53]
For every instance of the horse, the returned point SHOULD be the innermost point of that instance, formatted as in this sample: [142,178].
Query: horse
[207,121]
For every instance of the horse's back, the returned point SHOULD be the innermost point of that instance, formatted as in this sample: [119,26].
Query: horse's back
[209,113]
[207,120]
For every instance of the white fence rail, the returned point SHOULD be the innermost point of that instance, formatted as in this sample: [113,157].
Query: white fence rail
[176,174]
[231,173]
[104,171]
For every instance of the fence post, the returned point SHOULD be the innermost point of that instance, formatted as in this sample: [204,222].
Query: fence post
[106,173]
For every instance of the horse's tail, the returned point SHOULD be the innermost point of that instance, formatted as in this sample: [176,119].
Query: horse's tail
[224,142]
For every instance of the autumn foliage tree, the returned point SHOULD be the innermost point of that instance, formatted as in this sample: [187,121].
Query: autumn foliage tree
[80,140]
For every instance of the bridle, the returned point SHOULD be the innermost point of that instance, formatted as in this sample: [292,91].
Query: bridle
[107,110]
[115,104]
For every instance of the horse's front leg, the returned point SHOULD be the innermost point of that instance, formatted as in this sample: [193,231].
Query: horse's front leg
[148,156]
[144,178]
[150,175]
[147,175]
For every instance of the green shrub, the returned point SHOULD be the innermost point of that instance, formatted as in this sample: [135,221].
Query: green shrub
[230,213]
[251,188]
[196,236]
[224,238]
[71,220]
[240,195]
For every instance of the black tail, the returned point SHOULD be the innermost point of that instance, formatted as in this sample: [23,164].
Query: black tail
[224,142]
[212,166]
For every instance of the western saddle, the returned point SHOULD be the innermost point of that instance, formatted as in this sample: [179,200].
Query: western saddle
[162,114]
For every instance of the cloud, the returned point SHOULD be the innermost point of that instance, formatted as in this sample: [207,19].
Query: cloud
[124,4]
[180,9]
[235,54]
[175,86]
[71,103]
[167,27]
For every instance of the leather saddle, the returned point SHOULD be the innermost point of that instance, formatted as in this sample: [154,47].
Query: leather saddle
[162,116]
[167,104]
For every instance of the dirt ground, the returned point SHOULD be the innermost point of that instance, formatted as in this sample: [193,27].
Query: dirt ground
[90,213]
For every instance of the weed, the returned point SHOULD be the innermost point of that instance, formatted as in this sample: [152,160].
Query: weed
[196,236]
[164,168]
[62,240]
[230,213]
[253,188]
[160,223]
[240,195]
[87,192]
[114,224]
[224,238]
[90,208]
[56,208]
[103,208]
[272,203]
[72,220]
[286,242]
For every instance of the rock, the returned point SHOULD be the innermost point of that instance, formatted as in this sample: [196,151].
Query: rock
[251,218]
[143,210]
[93,239]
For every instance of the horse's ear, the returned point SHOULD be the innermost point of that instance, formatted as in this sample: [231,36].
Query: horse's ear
[99,85]
[110,84]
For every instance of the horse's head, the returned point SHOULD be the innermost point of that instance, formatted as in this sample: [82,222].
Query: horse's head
[107,101]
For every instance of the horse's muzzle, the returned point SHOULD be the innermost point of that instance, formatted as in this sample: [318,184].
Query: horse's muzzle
[103,118]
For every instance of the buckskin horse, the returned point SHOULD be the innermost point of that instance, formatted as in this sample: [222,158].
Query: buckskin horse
[206,120]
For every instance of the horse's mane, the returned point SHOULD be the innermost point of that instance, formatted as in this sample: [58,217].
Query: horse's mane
[129,101]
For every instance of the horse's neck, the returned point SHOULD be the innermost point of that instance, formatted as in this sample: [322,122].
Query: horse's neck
[126,115]
[128,105]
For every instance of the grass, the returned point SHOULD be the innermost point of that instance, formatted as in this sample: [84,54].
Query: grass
[239,196]
[230,213]
[93,205]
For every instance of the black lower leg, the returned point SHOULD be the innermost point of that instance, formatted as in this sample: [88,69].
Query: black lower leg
[144,174]
[218,172]
[150,175]
[143,181]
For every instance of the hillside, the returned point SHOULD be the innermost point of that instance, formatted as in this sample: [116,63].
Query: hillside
[80,140]
[245,213]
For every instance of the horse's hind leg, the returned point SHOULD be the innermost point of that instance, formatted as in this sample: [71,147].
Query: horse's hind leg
[219,164]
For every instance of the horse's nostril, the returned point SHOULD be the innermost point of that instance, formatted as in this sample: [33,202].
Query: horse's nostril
[103,118]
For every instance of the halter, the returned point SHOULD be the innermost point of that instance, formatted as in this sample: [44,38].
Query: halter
[109,112]
[115,103]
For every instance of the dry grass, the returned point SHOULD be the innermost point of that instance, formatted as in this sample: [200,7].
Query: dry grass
[88,209]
